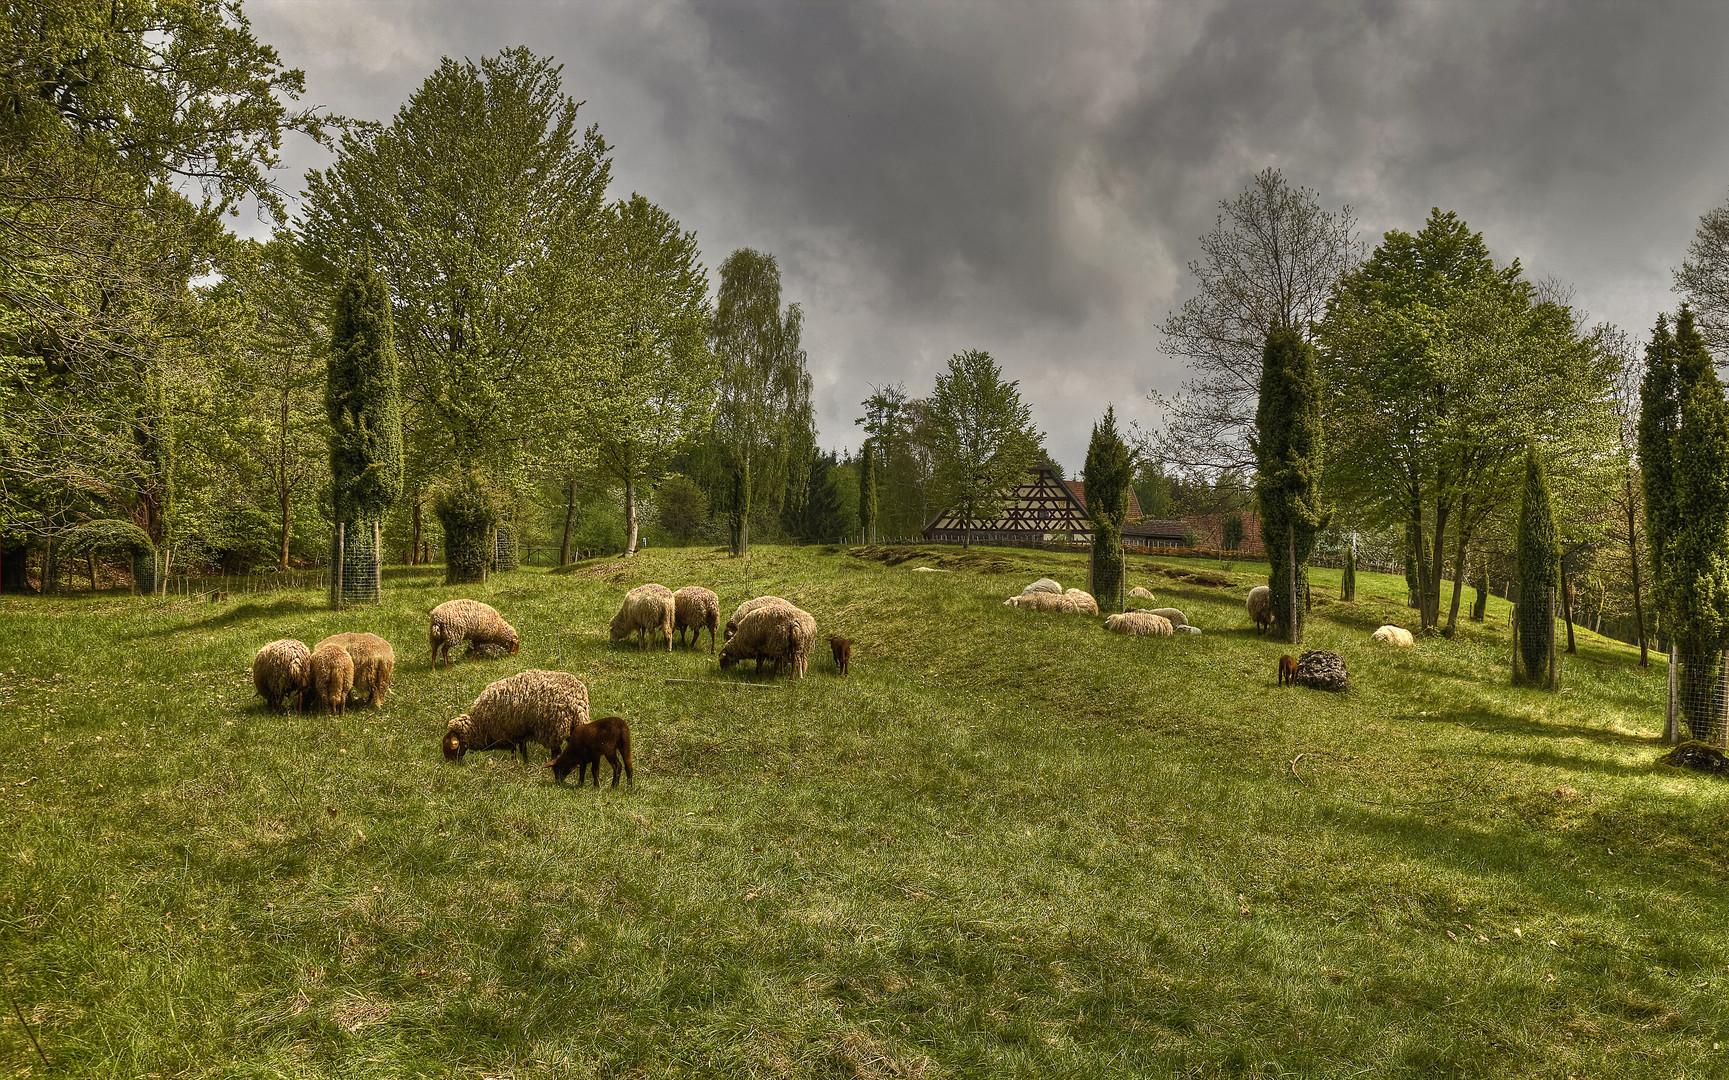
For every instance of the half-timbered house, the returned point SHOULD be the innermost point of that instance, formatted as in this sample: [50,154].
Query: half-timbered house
[1043,507]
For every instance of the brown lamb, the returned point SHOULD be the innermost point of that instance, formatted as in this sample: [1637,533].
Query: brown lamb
[608,737]
[842,649]
[1287,670]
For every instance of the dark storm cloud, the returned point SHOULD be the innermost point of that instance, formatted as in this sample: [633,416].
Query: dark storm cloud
[1030,178]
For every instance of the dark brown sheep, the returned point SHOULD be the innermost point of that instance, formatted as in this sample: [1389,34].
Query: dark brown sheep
[608,737]
[1287,670]
[842,649]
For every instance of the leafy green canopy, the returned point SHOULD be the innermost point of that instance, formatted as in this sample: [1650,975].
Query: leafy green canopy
[1439,368]
[1539,569]
[361,398]
[985,439]
[1695,557]
[1290,458]
[764,430]
[483,200]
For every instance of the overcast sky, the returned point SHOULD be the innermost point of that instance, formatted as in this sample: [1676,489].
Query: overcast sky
[1031,178]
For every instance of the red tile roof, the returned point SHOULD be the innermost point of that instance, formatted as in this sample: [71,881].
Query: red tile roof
[1079,488]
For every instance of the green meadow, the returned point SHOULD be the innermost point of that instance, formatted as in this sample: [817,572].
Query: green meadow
[1008,845]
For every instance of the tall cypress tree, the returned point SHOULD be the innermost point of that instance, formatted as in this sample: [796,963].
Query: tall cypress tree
[1109,471]
[1696,554]
[1348,579]
[867,492]
[364,406]
[1288,452]
[1659,423]
[1539,570]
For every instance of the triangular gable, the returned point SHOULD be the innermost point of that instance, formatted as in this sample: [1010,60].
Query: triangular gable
[1041,503]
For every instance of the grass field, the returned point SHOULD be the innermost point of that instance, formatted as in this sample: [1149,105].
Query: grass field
[1008,845]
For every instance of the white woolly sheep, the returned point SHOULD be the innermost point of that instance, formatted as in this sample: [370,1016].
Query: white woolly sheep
[1043,585]
[374,664]
[531,706]
[456,621]
[1043,601]
[1396,636]
[1139,624]
[1084,602]
[1141,592]
[1187,629]
[693,608]
[1260,605]
[281,670]
[1171,613]
[746,608]
[778,632]
[646,608]
[332,678]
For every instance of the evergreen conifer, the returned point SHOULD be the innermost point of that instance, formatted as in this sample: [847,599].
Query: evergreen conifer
[867,492]
[362,401]
[1109,471]
[1288,451]
[1539,571]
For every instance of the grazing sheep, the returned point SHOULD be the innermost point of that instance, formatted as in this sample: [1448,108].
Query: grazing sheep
[1141,592]
[1043,601]
[1171,613]
[332,678]
[281,670]
[1396,636]
[1084,602]
[608,737]
[778,632]
[1139,624]
[456,621]
[745,609]
[1043,585]
[842,649]
[374,664]
[1287,670]
[539,706]
[1260,605]
[646,608]
[693,608]
[1321,670]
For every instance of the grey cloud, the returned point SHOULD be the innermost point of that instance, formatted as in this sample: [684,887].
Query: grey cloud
[1030,179]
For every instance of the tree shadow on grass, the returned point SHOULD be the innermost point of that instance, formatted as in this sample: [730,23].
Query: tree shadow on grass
[1486,723]
[249,612]
[1573,763]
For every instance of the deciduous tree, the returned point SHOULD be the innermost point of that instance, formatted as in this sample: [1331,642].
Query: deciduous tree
[984,438]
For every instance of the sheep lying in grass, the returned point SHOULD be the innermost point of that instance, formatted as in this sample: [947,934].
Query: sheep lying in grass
[1043,585]
[1139,624]
[778,632]
[646,609]
[282,670]
[374,664]
[1260,605]
[1140,592]
[746,608]
[1084,602]
[608,737]
[457,621]
[332,678]
[693,608]
[1170,613]
[532,706]
[1396,636]
[1044,601]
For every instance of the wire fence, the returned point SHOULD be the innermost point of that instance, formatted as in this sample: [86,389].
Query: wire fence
[1698,696]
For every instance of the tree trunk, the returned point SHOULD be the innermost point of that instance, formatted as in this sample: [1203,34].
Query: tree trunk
[417,505]
[1567,596]
[569,520]
[630,523]
[1633,554]
[1458,583]
[1480,609]
[1294,632]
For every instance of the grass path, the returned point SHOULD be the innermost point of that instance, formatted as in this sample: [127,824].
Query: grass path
[1009,845]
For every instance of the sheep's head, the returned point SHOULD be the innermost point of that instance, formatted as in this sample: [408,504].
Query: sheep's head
[564,762]
[618,628]
[511,638]
[454,747]
[727,659]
